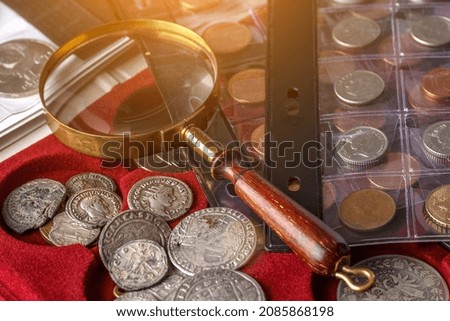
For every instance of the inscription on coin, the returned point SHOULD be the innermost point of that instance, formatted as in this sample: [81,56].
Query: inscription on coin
[356,32]
[248,86]
[220,285]
[362,146]
[84,181]
[436,83]
[128,226]
[93,207]
[437,206]
[212,238]
[227,37]
[436,140]
[138,264]
[431,31]
[359,87]
[398,278]
[21,63]
[63,230]
[367,210]
[167,197]
[31,205]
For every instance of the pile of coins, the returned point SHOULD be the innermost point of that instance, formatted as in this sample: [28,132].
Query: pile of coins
[437,209]
[143,255]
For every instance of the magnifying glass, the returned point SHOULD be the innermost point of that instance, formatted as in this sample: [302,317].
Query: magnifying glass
[145,86]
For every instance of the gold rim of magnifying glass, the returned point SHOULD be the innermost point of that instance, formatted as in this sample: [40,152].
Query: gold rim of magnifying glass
[93,144]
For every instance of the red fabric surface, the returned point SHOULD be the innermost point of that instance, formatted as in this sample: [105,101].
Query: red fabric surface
[32,270]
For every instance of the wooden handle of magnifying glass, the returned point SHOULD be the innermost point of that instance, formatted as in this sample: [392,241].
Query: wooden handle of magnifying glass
[324,250]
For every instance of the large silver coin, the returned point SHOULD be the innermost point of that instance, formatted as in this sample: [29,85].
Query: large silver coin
[167,197]
[128,226]
[84,181]
[31,205]
[431,31]
[398,278]
[66,231]
[356,32]
[220,285]
[21,63]
[138,264]
[212,238]
[93,207]
[362,146]
[142,295]
[436,140]
[359,87]
[166,289]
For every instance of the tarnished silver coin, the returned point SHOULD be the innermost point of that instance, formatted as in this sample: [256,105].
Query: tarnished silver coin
[359,87]
[142,295]
[436,140]
[167,197]
[220,285]
[356,32]
[62,230]
[31,205]
[93,207]
[362,146]
[84,181]
[431,31]
[128,226]
[166,289]
[212,238]
[21,63]
[398,278]
[138,264]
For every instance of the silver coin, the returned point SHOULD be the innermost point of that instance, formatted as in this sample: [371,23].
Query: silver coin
[436,140]
[142,295]
[359,87]
[138,264]
[166,289]
[431,31]
[84,181]
[31,205]
[212,238]
[356,32]
[220,285]
[362,146]
[128,226]
[66,231]
[93,207]
[167,197]
[21,63]
[398,278]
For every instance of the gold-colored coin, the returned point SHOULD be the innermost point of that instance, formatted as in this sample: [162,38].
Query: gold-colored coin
[227,37]
[248,86]
[367,210]
[45,231]
[437,206]
[118,291]
[257,139]
[198,5]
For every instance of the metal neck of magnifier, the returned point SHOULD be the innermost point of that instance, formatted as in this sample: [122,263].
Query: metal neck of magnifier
[321,248]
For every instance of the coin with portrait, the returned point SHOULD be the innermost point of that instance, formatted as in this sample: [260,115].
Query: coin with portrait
[165,196]
[359,87]
[356,32]
[431,31]
[32,204]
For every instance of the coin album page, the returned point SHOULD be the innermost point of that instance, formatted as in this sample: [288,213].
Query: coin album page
[385,118]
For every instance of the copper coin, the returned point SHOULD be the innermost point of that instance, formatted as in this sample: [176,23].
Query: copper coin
[198,5]
[367,210]
[395,163]
[328,195]
[227,37]
[248,86]
[418,100]
[257,139]
[436,83]
[344,123]
[437,206]
[330,71]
